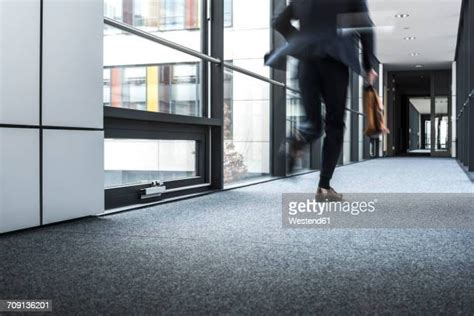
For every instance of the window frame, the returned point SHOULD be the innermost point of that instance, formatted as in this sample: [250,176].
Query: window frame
[136,125]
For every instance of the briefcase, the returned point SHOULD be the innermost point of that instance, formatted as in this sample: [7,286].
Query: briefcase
[374,111]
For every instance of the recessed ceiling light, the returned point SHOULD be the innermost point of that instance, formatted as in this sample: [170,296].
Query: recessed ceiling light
[402,16]
[419,66]
[409,38]
[415,54]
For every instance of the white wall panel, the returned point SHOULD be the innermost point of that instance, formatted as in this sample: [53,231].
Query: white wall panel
[72,63]
[19,61]
[19,179]
[73,174]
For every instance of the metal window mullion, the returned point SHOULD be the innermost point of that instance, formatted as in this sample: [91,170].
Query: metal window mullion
[204,65]
[217,93]
[278,100]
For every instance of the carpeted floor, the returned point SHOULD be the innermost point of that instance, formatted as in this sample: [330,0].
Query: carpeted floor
[228,253]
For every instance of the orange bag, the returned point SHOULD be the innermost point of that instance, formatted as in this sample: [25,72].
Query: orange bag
[374,111]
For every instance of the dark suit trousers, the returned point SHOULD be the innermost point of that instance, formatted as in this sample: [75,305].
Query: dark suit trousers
[325,79]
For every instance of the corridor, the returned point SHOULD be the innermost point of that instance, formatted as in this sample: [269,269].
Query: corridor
[228,253]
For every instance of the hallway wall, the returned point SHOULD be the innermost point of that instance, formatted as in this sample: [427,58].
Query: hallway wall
[51,115]
[454,122]
[465,87]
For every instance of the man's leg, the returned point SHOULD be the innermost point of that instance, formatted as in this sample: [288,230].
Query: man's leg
[311,128]
[309,82]
[334,83]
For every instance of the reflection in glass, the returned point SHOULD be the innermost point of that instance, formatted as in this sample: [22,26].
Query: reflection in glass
[420,123]
[157,88]
[137,161]
[427,135]
[292,73]
[419,112]
[156,15]
[142,75]
[295,116]
[441,124]
[175,20]
[246,36]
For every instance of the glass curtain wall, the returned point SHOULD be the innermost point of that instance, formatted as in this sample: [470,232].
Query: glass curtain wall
[163,119]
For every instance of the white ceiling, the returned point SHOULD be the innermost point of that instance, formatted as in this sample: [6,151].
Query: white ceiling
[434,23]
[423,105]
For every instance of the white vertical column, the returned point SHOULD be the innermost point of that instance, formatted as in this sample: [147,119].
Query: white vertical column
[73,172]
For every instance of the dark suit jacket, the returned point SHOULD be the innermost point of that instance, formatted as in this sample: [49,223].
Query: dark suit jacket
[331,28]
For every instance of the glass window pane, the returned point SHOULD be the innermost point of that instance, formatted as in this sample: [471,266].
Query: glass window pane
[137,161]
[247,40]
[295,116]
[441,123]
[246,127]
[416,129]
[107,87]
[427,134]
[134,88]
[142,75]
[176,20]
[228,9]
[292,73]
[346,151]
[420,140]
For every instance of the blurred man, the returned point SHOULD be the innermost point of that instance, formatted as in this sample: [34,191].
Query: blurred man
[327,45]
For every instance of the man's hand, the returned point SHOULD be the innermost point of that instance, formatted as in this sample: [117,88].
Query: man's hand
[371,76]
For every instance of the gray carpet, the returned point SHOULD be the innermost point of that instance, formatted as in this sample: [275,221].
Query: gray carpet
[227,253]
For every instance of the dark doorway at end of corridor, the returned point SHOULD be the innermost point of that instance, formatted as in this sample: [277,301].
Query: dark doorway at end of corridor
[419,113]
